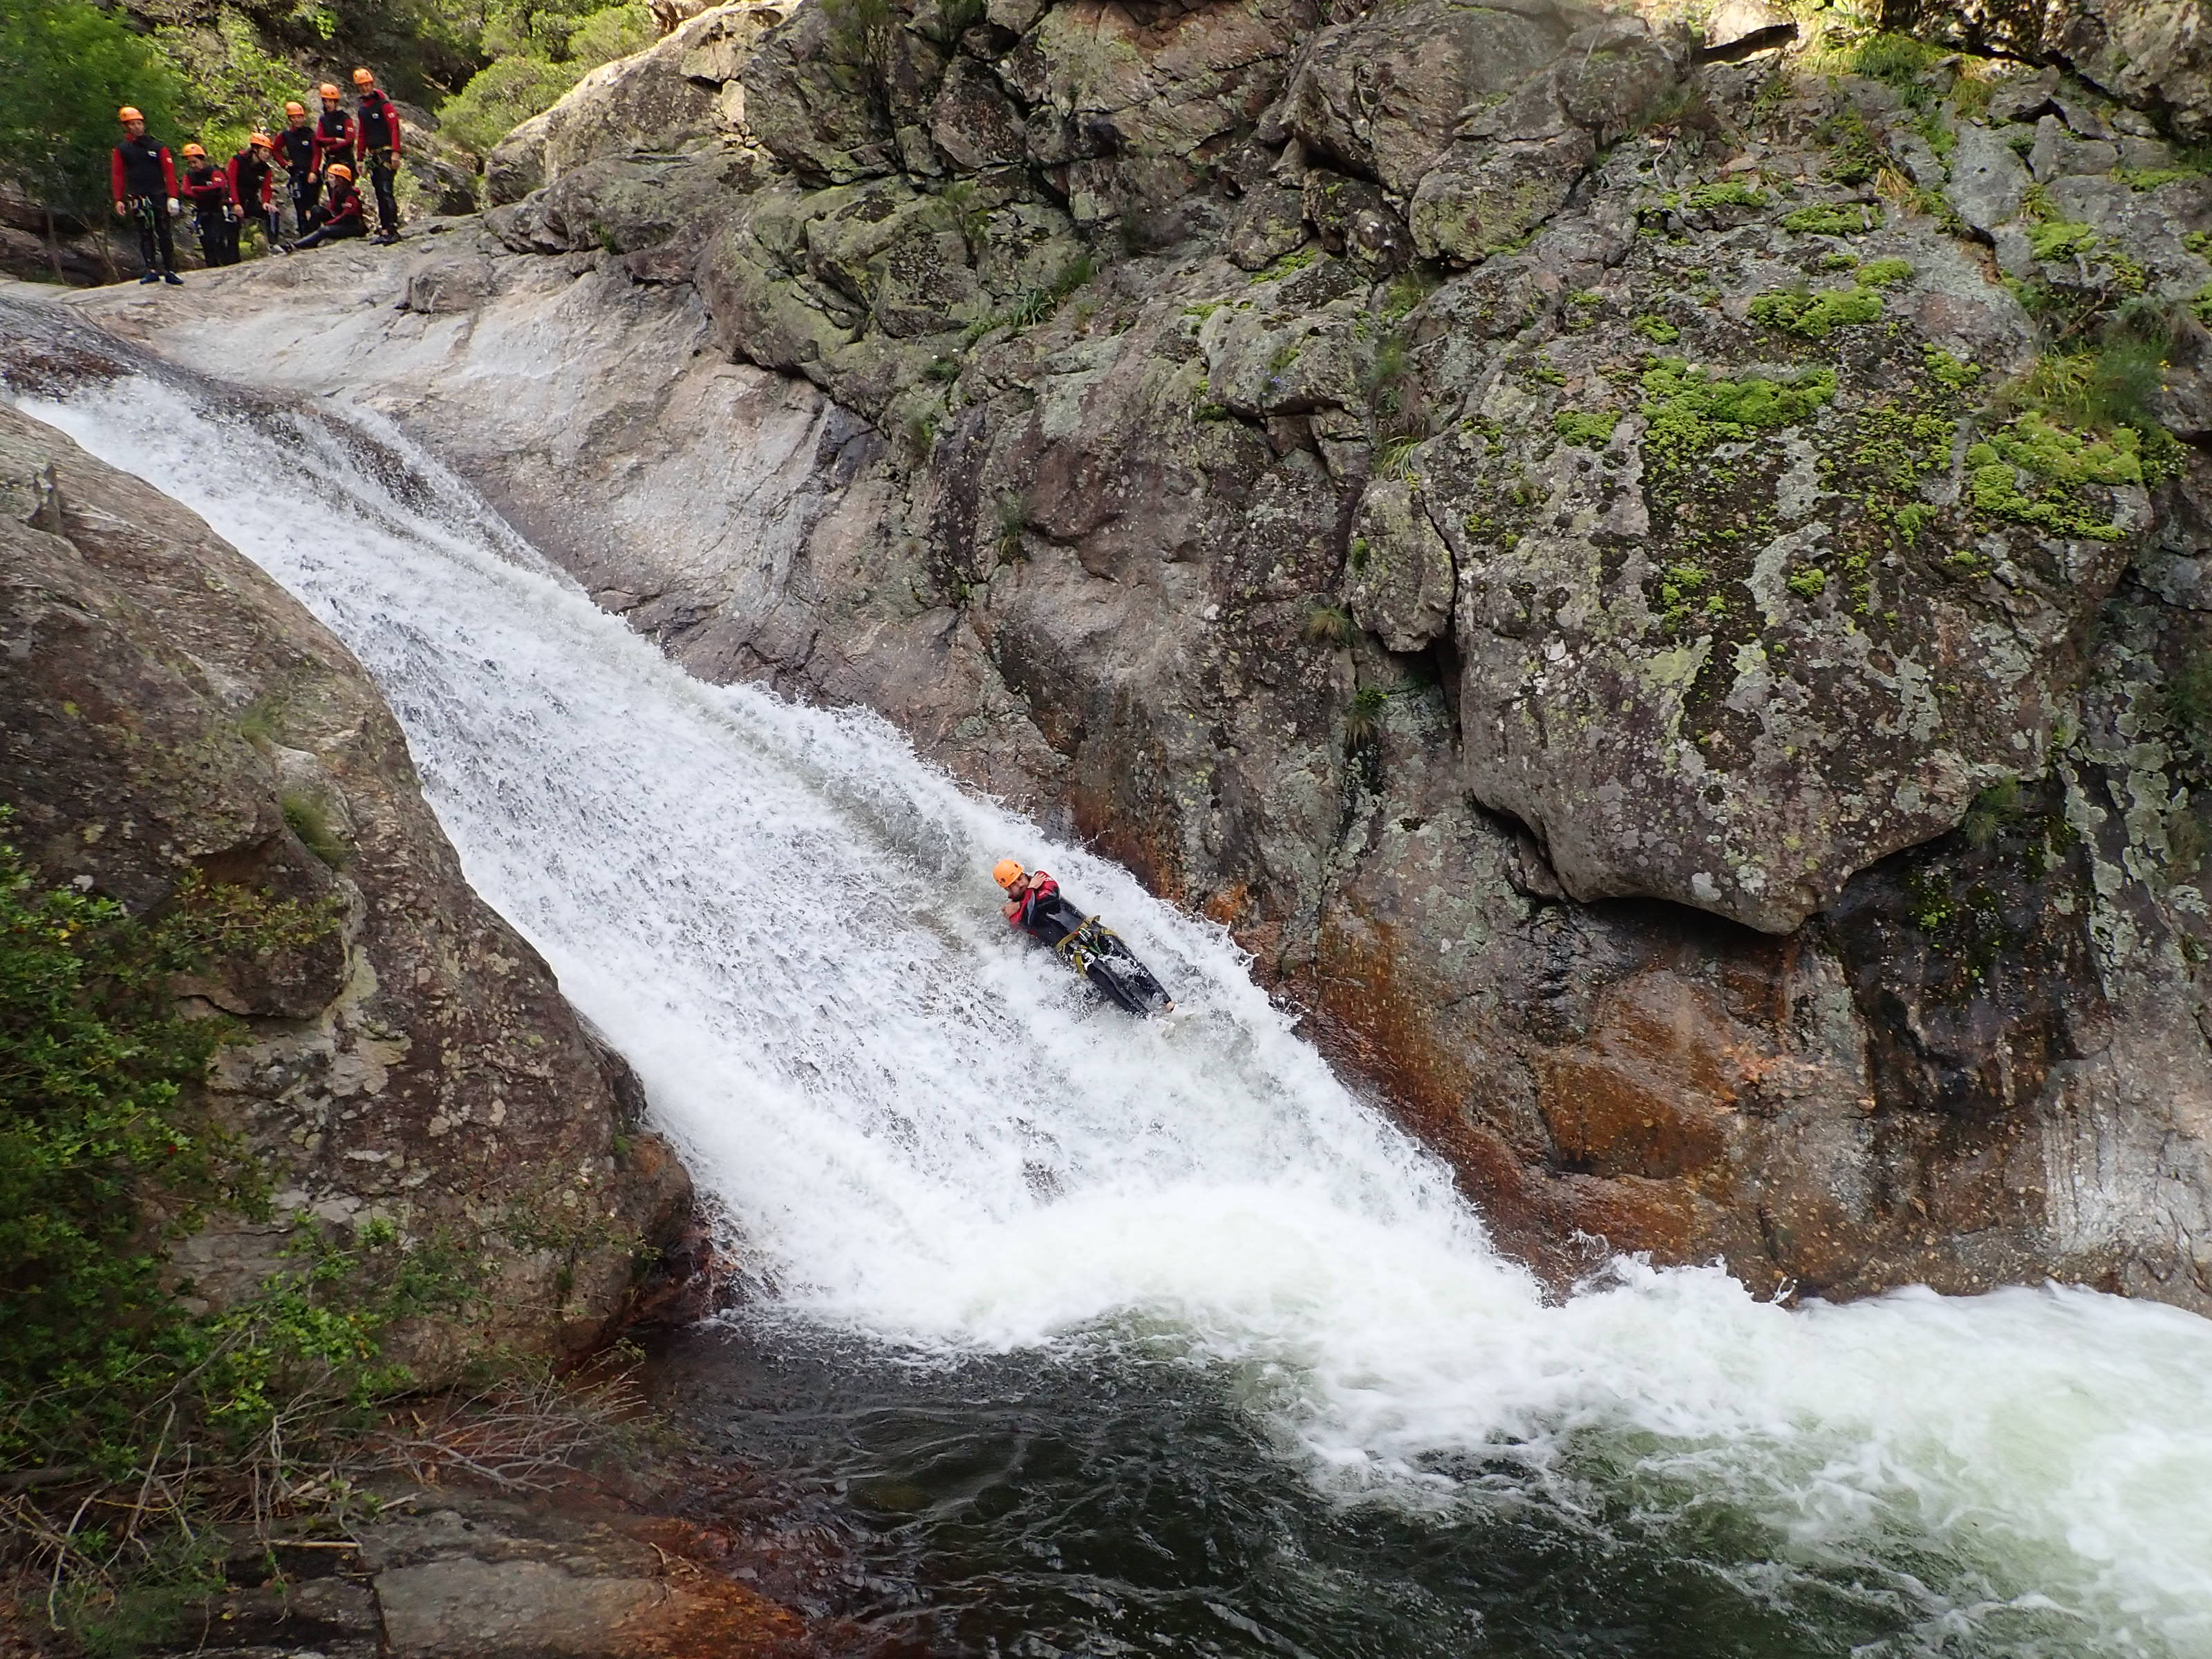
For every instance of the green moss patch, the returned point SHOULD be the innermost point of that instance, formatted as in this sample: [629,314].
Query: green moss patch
[1848,219]
[1816,316]
[1589,429]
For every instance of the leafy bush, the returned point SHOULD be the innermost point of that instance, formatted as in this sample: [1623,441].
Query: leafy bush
[539,55]
[501,96]
[232,84]
[65,67]
[99,1118]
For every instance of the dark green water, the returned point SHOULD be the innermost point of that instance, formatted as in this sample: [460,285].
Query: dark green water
[1104,1505]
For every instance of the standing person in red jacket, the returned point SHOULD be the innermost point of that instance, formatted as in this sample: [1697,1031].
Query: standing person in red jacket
[253,185]
[341,215]
[337,134]
[214,210]
[301,168]
[144,181]
[379,151]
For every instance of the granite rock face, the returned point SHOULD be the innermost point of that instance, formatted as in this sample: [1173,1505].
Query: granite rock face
[171,712]
[1580,549]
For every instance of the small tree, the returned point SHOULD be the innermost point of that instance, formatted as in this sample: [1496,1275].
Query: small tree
[65,67]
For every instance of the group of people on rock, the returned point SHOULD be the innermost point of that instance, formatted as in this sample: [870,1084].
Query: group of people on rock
[323,159]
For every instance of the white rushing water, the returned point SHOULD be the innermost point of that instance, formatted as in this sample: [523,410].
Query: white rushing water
[931,1137]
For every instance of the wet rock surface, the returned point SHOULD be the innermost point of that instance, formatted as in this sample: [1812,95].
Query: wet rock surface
[171,714]
[1553,538]
[446,1573]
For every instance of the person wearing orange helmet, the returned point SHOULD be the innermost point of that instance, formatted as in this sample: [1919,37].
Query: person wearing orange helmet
[254,187]
[214,210]
[1033,902]
[341,215]
[302,169]
[337,134]
[379,125]
[1035,906]
[144,179]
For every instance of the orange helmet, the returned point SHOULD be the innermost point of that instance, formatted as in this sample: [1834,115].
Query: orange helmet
[129,112]
[340,170]
[328,89]
[361,77]
[261,141]
[195,151]
[294,106]
[1007,872]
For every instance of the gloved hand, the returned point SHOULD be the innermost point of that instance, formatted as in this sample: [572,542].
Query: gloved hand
[173,209]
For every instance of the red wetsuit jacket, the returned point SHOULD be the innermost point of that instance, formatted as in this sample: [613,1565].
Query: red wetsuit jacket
[208,187]
[342,206]
[1040,886]
[337,138]
[252,182]
[140,167]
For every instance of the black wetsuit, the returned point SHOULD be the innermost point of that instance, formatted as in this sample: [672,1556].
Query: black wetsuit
[207,187]
[339,216]
[379,154]
[1045,915]
[297,146]
[145,178]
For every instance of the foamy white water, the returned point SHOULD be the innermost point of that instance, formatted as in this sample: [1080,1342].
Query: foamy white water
[933,1137]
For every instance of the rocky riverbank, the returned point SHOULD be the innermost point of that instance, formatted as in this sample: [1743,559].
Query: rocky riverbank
[1651,576]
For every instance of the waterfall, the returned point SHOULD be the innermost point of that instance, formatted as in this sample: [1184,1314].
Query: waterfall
[930,1138]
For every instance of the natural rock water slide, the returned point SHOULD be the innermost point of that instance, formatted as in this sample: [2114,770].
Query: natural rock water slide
[1571,535]
[941,1163]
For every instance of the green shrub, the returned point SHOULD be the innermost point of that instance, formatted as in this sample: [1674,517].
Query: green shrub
[1897,59]
[2111,385]
[540,55]
[102,1121]
[1656,329]
[1808,583]
[1884,273]
[65,68]
[501,96]
[304,816]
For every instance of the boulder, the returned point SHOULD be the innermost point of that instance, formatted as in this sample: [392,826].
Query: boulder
[1380,96]
[1399,576]
[1482,197]
[678,91]
[2154,55]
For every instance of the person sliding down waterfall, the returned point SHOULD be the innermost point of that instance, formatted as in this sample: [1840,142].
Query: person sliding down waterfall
[340,215]
[379,126]
[145,185]
[1036,907]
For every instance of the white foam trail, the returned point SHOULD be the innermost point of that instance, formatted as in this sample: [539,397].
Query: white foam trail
[933,1137]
